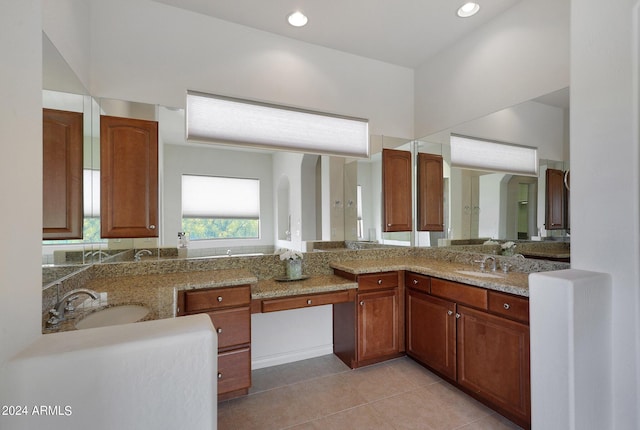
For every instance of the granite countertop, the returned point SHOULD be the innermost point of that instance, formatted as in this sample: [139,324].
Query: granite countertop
[271,288]
[548,253]
[512,282]
[157,292]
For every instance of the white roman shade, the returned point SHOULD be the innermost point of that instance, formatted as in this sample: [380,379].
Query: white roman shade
[218,119]
[480,154]
[220,197]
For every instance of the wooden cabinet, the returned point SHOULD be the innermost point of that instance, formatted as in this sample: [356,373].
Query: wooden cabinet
[430,193]
[556,201]
[372,329]
[62,208]
[396,190]
[431,329]
[493,361]
[129,177]
[478,339]
[230,311]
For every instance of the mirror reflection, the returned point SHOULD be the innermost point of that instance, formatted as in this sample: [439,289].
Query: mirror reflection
[302,197]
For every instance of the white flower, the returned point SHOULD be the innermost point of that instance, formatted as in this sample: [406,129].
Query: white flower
[289,254]
[508,245]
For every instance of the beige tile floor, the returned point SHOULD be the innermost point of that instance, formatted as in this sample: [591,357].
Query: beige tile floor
[323,393]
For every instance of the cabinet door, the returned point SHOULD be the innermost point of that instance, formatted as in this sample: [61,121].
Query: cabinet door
[378,324]
[493,360]
[430,193]
[556,200]
[396,190]
[129,177]
[431,331]
[62,174]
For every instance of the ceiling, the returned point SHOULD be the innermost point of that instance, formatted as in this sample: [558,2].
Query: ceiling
[401,32]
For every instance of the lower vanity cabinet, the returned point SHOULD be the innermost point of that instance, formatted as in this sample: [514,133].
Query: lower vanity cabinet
[493,361]
[478,339]
[431,331]
[230,311]
[377,319]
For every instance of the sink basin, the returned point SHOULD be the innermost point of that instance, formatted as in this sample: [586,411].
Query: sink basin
[123,314]
[478,274]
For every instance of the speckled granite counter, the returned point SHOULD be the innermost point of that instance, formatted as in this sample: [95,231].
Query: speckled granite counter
[157,292]
[513,282]
[270,288]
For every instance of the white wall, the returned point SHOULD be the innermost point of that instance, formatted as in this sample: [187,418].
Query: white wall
[21,178]
[151,52]
[203,160]
[605,180]
[521,54]
[290,165]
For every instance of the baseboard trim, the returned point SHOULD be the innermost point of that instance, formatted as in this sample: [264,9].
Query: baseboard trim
[290,356]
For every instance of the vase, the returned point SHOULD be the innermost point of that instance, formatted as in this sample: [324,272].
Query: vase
[294,269]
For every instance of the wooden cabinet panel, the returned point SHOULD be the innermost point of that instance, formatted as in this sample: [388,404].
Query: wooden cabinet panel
[62,207]
[396,190]
[273,305]
[510,306]
[217,298]
[556,204]
[431,331]
[430,193]
[377,281]
[234,370]
[230,312]
[417,282]
[378,333]
[459,293]
[129,177]
[493,361]
[233,326]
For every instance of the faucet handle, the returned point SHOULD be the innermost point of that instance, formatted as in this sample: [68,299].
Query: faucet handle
[69,307]
[54,320]
[481,264]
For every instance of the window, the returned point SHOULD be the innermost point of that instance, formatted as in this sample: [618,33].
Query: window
[220,208]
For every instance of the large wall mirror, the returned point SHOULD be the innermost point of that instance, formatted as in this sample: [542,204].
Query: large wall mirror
[479,204]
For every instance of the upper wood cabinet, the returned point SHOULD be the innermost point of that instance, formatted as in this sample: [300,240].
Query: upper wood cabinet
[128,177]
[396,190]
[62,175]
[556,201]
[430,193]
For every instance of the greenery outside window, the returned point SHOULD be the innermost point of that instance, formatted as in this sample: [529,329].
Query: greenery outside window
[215,207]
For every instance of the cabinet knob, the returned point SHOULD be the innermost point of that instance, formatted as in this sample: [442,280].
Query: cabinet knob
[379,281]
[309,301]
[219,298]
[449,312]
[219,330]
[457,315]
[415,282]
[388,225]
[219,375]
[506,305]
[361,303]
[152,227]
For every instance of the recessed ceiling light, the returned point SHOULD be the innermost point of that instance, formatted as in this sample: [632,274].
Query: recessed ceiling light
[297,19]
[468,9]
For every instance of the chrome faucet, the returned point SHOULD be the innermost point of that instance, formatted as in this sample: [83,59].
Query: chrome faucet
[140,253]
[65,305]
[483,263]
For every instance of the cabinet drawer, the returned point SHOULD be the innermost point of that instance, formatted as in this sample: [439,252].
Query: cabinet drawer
[273,305]
[417,282]
[510,306]
[234,370]
[233,326]
[459,293]
[216,298]
[377,281]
